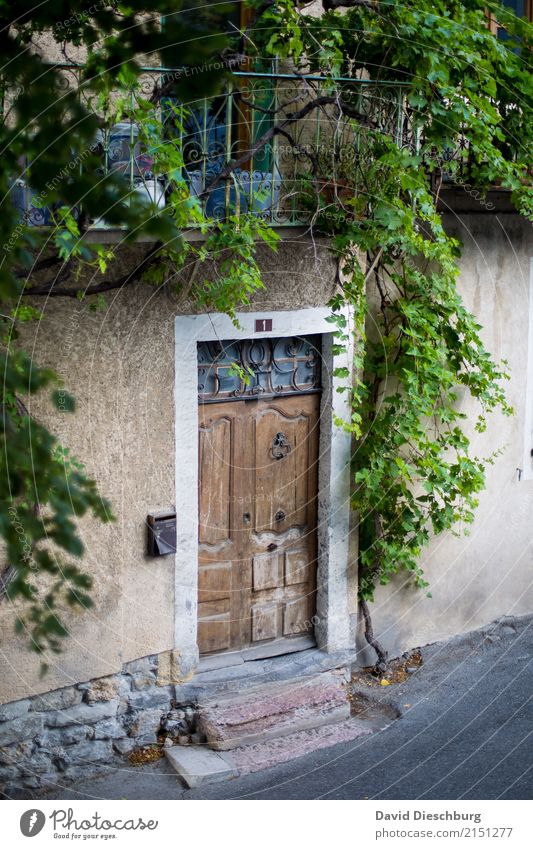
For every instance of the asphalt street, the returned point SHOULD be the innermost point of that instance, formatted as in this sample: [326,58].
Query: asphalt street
[465,733]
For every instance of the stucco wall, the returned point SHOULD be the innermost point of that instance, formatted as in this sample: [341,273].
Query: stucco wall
[120,365]
[477,578]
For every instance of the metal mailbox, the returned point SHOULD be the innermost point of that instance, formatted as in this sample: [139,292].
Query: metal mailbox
[161,533]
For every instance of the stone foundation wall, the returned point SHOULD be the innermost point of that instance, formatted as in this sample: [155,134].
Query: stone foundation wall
[87,728]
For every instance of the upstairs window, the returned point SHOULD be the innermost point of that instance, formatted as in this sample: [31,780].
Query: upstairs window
[521,8]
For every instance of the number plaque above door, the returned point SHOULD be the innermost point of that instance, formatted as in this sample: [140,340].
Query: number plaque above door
[258,368]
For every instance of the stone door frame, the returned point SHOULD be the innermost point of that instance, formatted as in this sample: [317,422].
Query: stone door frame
[336,568]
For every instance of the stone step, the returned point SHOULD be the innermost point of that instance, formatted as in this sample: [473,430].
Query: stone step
[200,765]
[259,756]
[221,679]
[274,710]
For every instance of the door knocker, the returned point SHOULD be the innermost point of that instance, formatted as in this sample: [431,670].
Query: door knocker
[280,447]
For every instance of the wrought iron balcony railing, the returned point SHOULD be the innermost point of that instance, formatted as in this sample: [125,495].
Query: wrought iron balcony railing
[280,130]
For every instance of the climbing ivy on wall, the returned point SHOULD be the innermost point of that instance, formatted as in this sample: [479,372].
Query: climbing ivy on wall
[419,352]
[418,349]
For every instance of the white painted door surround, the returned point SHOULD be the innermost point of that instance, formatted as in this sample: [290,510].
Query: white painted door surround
[336,572]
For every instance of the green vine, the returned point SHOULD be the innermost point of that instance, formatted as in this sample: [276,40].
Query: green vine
[418,350]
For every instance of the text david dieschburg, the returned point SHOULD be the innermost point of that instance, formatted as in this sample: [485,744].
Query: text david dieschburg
[424,815]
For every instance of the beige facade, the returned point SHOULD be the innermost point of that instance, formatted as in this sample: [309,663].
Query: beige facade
[489,573]
[120,364]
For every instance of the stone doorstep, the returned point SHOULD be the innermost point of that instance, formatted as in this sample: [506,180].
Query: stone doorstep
[200,765]
[221,680]
[277,648]
[303,721]
[273,710]
[321,688]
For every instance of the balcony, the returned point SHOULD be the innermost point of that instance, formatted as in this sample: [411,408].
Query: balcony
[184,151]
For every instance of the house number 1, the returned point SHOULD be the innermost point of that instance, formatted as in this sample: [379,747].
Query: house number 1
[263,324]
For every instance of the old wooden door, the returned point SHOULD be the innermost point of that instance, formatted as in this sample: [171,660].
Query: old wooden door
[258,463]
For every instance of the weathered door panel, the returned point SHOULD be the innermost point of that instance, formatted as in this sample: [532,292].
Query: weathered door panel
[220,530]
[283,537]
[258,465]
[283,452]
